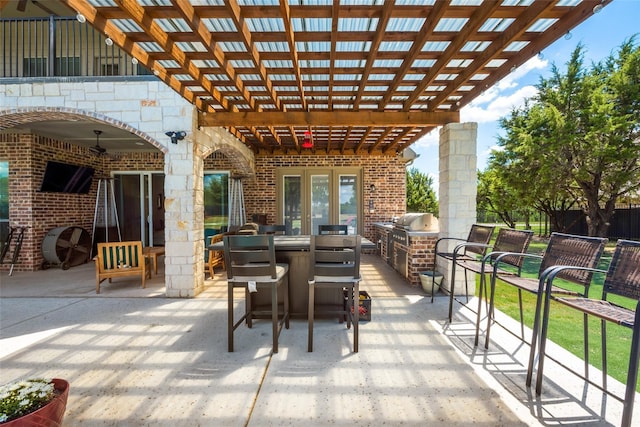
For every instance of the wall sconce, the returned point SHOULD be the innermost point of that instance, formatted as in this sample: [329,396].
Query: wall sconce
[308,142]
[372,188]
[176,135]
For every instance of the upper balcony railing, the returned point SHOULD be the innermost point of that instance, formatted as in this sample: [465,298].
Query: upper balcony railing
[60,47]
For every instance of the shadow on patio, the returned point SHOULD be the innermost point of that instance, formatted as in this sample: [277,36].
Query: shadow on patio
[136,360]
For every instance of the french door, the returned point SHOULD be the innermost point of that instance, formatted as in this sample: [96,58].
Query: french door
[308,198]
[140,206]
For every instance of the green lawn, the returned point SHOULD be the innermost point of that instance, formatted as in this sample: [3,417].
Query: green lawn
[566,325]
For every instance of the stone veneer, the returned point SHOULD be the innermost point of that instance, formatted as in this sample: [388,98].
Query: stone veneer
[457,192]
[148,109]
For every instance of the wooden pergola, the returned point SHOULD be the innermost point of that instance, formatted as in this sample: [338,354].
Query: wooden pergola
[347,77]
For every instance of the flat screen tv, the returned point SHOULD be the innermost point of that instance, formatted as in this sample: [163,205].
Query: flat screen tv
[65,178]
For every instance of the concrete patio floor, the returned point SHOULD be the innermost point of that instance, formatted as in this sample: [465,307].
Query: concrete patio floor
[136,358]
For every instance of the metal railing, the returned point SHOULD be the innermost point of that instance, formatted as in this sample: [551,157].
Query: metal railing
[60,47]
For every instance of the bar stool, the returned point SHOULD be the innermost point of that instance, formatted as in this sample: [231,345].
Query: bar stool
[251,264]
[335,264]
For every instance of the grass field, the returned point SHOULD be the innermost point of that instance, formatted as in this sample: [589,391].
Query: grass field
[566,325]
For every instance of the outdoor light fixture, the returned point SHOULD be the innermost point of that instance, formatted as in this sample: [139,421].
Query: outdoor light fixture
[372,188]
[176,136]
[108,41]
[81,19]
[308,142]
[597,8]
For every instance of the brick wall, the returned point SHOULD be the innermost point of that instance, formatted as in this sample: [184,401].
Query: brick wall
[387,173]
[27,156]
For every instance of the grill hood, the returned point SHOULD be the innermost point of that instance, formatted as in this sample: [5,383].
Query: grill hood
[418,222]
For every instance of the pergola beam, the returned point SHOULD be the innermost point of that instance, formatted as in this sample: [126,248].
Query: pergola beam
[328,118]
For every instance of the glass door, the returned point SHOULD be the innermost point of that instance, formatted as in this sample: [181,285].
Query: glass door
[140,205]
[319,192]
[348,207]
[292,203]
[308,198]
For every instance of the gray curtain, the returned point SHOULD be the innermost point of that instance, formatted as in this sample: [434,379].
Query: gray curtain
[237,213]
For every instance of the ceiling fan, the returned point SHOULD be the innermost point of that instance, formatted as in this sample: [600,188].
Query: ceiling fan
[22,6]
[97,149]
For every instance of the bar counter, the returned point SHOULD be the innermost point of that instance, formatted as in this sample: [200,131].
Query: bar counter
[294,250]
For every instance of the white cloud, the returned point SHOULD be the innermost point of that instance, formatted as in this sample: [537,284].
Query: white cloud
[500,99]
[432,139]
[534,64]
[498,107]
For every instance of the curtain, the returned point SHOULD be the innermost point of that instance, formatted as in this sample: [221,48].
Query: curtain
[237,213]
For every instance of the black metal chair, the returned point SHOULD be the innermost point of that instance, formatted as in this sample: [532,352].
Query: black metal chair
[335,264]
[279,229]
[333,229]
[251,264]
[562,249]
[622,281]
[474,246]
[508,240]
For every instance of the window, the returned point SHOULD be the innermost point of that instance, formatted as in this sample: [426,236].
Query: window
[68,66]
[216,200]
[34,67]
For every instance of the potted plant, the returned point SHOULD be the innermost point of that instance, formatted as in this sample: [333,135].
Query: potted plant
[33,402]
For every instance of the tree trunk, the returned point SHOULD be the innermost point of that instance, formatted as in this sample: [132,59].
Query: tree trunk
[598,219]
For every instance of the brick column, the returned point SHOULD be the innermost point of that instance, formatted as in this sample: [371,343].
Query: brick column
[184,213]
[457,193]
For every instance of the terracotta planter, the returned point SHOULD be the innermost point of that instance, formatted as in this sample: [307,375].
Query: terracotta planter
[50,415]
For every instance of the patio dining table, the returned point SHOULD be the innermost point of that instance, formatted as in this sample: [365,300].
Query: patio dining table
[294,250]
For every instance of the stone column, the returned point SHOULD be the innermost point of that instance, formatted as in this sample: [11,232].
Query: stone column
[457,194]
[184,213]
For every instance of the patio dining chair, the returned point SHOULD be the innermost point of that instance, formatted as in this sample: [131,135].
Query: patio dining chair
[562,249]
[215,257]
[335,264]
[250,261]
[470,249]
[508,240]
[622,283]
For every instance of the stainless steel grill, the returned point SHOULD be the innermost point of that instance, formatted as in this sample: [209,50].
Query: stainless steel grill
[400,235]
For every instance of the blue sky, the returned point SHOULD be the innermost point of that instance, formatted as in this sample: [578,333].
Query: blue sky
[601,34]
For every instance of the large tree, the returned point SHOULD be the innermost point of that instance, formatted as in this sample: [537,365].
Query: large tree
[578,139]
[421,196]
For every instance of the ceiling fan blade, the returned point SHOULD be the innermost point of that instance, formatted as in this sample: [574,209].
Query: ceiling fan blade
[45,8]
[98,150]
[22,5]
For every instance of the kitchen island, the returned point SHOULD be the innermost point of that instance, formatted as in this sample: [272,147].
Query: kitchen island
[294,250]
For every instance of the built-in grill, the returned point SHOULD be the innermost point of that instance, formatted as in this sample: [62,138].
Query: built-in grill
[401,235]
[412,222]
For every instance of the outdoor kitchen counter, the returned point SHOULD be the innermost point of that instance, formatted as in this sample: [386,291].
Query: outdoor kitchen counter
[294,250]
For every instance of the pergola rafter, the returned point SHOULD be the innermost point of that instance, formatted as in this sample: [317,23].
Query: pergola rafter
[269,71]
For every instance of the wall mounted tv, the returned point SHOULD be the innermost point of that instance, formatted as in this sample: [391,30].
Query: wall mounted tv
[65,178]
